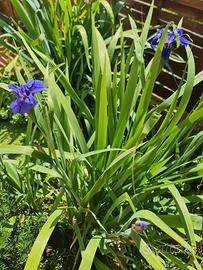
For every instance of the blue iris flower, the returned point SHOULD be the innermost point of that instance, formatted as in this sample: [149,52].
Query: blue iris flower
[170,41]
[143,224]
[140,226]
[25,99]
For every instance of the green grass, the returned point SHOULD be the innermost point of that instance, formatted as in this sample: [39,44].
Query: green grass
[18,230]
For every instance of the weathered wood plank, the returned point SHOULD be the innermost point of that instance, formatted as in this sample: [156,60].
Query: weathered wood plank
[196,4]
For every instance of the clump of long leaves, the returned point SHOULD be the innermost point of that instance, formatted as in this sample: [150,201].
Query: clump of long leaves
[112,158]
[59,29]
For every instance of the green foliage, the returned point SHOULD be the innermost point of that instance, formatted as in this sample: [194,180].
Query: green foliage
[101,162]
[12,133]
[60,30]
[18,229]
[42,240]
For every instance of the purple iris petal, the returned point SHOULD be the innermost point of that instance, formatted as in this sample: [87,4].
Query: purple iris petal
[166,53]
[140,226]
[22,106]
[155,41]
[184,41]
[35,86]
[26,100]
[143,224]
[15,105]
[15,88]
[157,37]
[179,31]
[170,38]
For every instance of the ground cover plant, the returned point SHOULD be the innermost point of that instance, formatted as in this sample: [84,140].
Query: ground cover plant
[119,175]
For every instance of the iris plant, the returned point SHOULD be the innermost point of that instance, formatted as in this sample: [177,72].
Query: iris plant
[173,39]
[25,99]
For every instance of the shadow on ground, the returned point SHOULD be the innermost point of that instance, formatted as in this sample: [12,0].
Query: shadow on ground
[11,133]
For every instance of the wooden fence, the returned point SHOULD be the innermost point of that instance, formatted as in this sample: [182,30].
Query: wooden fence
[173,10]
[7,9]
[5,55]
